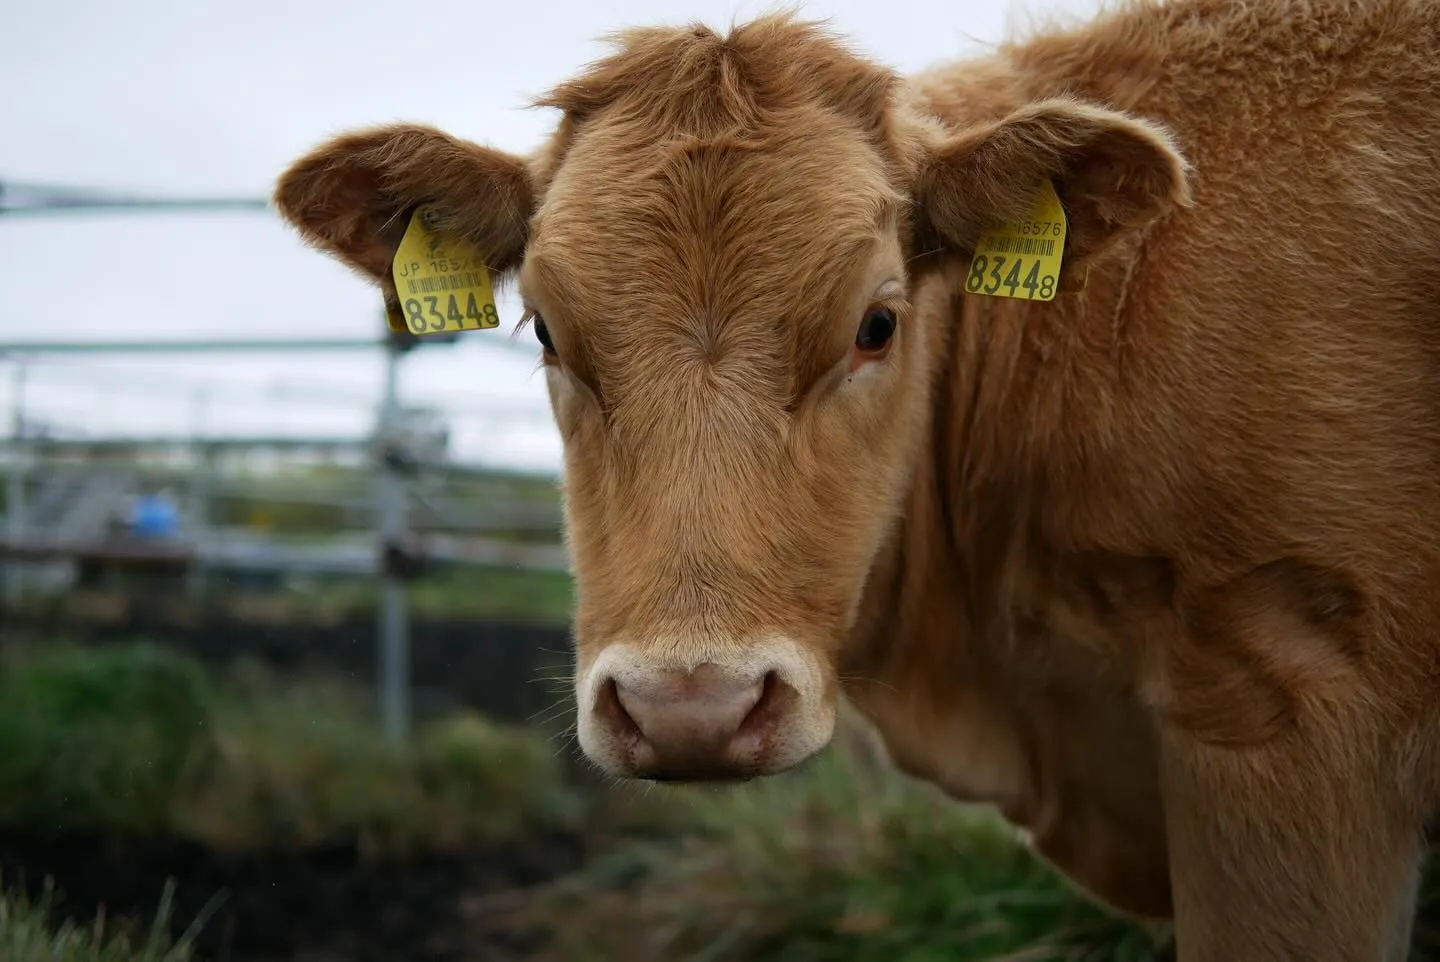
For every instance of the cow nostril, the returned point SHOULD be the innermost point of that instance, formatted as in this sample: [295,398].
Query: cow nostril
[776,699]
[610,706]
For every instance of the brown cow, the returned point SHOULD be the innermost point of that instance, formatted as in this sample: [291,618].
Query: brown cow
[1154,566]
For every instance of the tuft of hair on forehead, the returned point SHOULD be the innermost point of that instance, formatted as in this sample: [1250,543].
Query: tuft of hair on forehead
[692,80]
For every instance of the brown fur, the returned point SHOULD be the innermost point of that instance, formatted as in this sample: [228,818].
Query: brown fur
[1152,567]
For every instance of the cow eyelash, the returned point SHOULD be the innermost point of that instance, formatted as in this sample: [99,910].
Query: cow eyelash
[542,333]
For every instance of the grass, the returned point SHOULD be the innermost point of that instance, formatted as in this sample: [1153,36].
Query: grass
[100,740]
[309,766]
[29,933]
[469,592]
[136,741]
[480,592]
[841,862]
[472,591]
[517,594]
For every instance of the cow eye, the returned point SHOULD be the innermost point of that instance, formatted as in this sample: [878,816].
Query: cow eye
[876,329]
[542,334]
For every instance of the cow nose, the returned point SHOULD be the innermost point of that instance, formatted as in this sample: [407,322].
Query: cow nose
[709,723]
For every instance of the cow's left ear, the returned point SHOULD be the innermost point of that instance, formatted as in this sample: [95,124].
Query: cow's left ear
[1112,172]
[352,196]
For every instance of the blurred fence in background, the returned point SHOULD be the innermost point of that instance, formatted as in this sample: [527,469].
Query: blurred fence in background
[335,538]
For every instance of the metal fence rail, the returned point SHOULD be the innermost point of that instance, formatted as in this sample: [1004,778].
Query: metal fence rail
[73,522]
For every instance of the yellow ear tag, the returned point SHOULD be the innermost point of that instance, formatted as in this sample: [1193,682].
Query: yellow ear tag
[394,317]
[1022,259]
[442,282]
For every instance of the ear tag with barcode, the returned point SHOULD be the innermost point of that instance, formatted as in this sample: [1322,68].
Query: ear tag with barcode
[441,282]
[1022,259]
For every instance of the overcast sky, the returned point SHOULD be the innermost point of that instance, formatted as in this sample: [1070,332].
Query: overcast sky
[196,97]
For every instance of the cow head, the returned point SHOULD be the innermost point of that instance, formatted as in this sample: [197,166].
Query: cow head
[716,251]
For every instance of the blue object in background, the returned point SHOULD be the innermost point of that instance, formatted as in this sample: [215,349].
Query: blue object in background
[155,516]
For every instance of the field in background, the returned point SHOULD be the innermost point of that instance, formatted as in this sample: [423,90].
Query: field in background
[286,821]
[125,767]
[247,817]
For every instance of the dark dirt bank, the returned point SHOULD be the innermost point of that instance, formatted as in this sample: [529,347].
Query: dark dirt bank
[326,904]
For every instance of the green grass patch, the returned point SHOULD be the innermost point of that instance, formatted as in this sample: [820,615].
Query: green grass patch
[100,740]
[840,862]
[305,764]
[137,740]
[516,595]
[30,933]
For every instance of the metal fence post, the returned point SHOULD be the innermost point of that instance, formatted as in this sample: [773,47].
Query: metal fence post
[15,485]
[394,629]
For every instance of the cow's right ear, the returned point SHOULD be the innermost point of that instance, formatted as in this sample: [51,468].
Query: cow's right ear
[352,196]
[1114,174]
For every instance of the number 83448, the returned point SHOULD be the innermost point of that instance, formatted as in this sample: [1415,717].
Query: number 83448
[1009,276]
[433,317]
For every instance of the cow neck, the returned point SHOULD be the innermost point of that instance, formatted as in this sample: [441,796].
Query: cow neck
[910,666]
[929,659]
